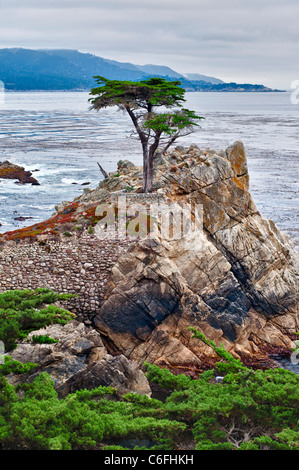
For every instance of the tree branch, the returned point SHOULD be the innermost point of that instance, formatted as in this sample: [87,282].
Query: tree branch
[103,171]
[136,125]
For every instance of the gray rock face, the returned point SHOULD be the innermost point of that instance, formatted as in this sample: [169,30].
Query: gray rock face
[79,360]
[237,282]
[112,371]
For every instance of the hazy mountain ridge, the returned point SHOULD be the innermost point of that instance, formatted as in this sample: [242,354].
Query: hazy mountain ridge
[71,70]
[195,77]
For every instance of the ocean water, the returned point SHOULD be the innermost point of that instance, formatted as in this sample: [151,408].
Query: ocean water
[58,138]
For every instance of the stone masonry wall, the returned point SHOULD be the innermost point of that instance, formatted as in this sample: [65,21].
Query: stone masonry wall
[77,265]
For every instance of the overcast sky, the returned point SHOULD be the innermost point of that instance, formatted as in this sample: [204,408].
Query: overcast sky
[253,41]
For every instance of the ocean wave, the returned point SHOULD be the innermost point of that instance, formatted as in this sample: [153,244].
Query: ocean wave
[46,207]
[72,181]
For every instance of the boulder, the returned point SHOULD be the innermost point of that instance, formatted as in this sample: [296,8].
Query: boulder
[10,171]
[125,164]
[111,371]
[78,360]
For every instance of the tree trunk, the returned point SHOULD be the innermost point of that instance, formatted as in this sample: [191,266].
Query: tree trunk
[147,172]
[148,168]
[150,164]
[150,176]
[146,182]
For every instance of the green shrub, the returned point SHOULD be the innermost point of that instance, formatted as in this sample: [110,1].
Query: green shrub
[24,311]
[248,410]
[9,366]
[43,339]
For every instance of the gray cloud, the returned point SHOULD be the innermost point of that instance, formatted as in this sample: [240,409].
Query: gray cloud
[231,39]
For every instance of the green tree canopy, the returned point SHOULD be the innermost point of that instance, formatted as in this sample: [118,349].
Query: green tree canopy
[141,100]
[246,410]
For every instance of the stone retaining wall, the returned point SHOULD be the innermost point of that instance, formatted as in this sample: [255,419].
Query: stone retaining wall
[77,265]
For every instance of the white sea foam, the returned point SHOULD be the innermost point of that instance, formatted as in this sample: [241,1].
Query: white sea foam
[72,180]
[45,207]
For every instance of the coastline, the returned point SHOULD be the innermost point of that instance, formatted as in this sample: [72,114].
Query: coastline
[64,253]
[157,321]
[57,134]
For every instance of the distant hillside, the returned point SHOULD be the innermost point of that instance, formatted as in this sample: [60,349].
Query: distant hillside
[230,87]
[202,78]
[23,69]
[26,69]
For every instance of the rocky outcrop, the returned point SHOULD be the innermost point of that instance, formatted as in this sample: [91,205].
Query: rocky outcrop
[237,281]
[10,171]
[79,360]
